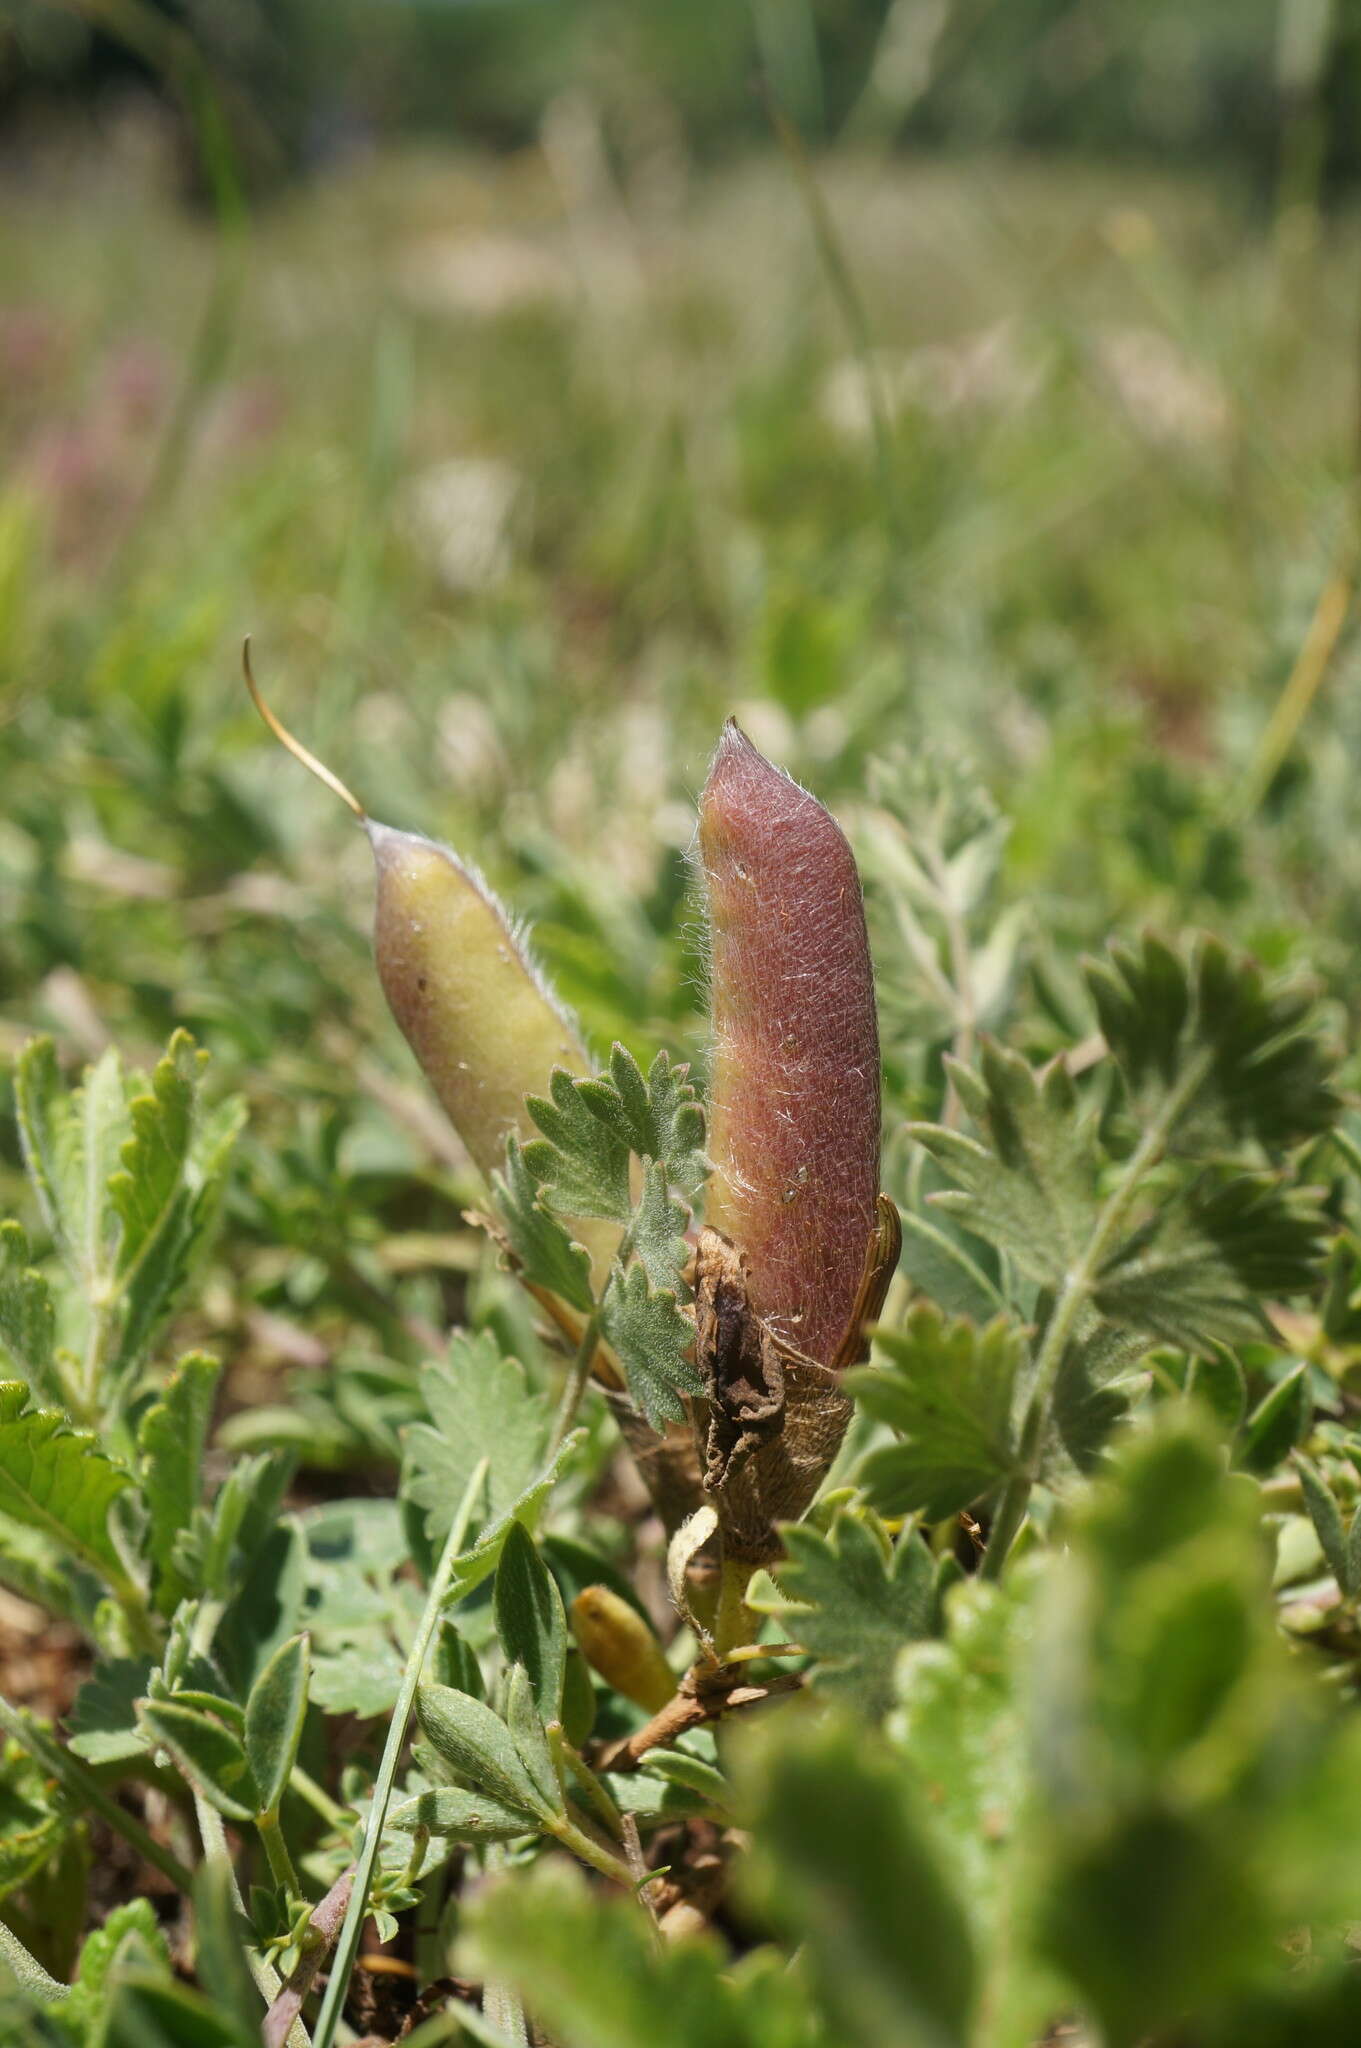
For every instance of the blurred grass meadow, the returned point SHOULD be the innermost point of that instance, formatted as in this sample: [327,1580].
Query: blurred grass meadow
[894,379]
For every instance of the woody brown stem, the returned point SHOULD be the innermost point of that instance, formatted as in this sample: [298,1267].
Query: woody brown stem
[703,1695]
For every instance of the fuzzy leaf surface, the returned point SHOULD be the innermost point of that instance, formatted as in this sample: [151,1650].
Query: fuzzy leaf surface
[1208,1022]
[27,1318]
[1027,1183]
[57,1480]
[854,1606]
[650,1337]
[660,1118]
[949,1390]
[580,1162]
[172,1437]
[480,1406]
[543,1251]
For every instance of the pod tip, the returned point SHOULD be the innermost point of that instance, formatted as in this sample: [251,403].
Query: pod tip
[294,746]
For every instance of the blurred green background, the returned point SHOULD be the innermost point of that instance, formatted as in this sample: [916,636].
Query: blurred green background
[539,383]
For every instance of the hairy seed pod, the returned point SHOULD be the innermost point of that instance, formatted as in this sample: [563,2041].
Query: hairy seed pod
[480,1020]
[794,1093]
[619,1644]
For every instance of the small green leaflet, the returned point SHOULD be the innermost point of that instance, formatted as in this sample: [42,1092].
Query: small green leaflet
[26,1314]
[1206,1022]
[171,1439]
[129,1175]
[57,1480]
[656,1233]
[1196,1273]
[209,1755]
[1028,1184]
[480,1406]
[660,1118]
[949,1391]
[591,1127]
[530,1619]
[71,1144]
[583,1168]
[650,1337]
[475,1742]
[855,1603]
[543,1252]
[275,1712]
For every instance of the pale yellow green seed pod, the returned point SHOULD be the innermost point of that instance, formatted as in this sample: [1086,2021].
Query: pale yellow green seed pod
[480,1021]
[618,1643]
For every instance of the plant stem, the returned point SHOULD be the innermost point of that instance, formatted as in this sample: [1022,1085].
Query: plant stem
[583,1842]
[575,1386]
[85,1789]
[347,1947]
[1072,1299]
[276,1848]
[733,1622]
[306,1787]
[27,1971]
[566,1758]
[268,1982]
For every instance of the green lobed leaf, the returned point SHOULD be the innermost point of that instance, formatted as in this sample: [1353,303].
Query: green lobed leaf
[960,1728]
[855,1605]
[363,1679]
[1179,1757]
[543,1251]
[154,1282]
[660,1118]
[581,1165]
[1280,1421]
[27,1318]
[1027,1183]
[480,1406]
[275,1712]
[70,1144]
[144,1187]
[103,1721]
[480,1562]
[650,1337]
[1197,1273]
[530,1620]
[948,1389]
[656,1233]
[57,1480]
[1206,1021]
[171,1438]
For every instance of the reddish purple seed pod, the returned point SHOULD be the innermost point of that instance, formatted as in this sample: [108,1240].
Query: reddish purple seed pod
[794,1096]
